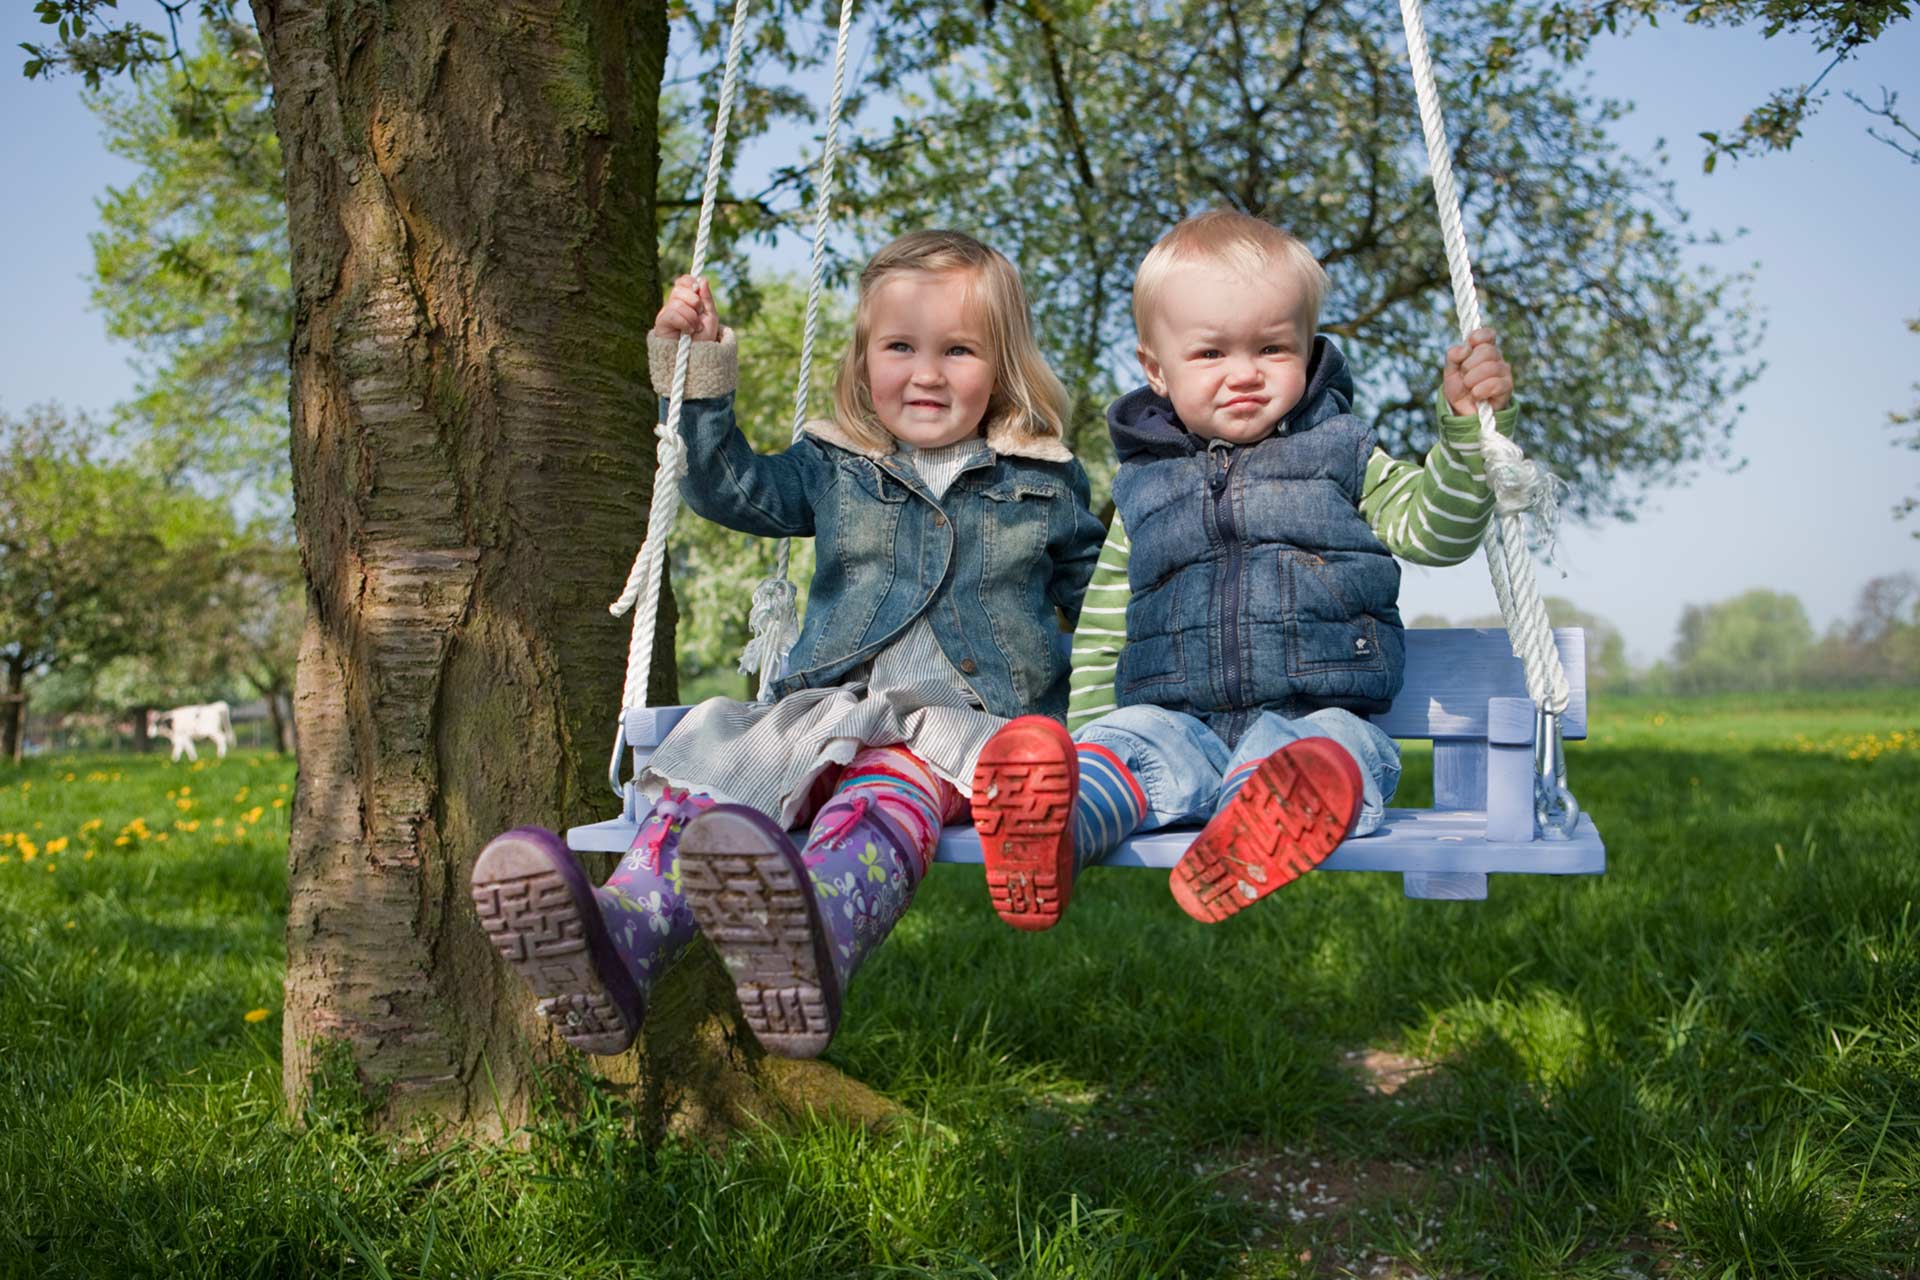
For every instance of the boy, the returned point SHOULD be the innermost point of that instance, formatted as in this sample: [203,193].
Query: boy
[1257,524]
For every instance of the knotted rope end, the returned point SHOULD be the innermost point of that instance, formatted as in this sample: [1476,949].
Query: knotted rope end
[774,619]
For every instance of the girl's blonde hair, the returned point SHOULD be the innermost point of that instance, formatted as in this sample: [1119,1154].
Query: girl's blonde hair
[1028,397]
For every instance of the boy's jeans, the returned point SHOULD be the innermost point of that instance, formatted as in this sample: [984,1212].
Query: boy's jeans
[1181,763]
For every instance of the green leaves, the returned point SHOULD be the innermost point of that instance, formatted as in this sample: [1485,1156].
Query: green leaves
[1071,136]
[191,267]
[1837,27]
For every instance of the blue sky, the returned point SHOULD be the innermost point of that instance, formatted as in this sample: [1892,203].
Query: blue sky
[1830,225]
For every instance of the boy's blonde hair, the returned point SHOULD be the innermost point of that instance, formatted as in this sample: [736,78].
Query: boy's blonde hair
[1245,245]
[1028,397]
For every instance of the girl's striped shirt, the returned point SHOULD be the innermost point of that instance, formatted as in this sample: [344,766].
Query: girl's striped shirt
[1431,514]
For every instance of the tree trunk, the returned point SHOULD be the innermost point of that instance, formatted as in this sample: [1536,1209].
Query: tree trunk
[13,713]
[470,192]
[275,689]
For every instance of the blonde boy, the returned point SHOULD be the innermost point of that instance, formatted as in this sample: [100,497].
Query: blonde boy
[1255,537]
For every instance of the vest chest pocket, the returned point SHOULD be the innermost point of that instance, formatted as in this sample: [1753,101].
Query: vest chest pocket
[1324,632]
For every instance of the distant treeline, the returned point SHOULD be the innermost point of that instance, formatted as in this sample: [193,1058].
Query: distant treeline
[1758,641]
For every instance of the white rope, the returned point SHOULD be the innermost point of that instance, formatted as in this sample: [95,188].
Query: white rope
[643,581]
[1518,485]
[775,615]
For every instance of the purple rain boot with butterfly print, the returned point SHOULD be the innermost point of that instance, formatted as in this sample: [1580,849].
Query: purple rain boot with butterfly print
[590,955]
[793,925]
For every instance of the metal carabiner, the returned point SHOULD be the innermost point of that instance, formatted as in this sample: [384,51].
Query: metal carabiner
[1555,812]
[613,765]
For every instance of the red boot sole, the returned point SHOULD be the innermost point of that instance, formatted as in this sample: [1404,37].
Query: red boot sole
[1023,794]
[1299,805]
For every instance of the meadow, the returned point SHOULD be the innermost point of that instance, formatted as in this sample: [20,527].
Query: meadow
[1705,1063]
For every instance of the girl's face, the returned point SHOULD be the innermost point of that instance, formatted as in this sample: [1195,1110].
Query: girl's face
[928,367]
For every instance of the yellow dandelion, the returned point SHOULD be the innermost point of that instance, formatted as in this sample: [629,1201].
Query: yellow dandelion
[68,778]
[257,1015]
[255,814]
[53,866]
[219,822]
[279,804]
[57,846]
[4,859]
[183,804]
[87,856]
[121,842]
[283,787]
[91,824]
[28,850]
[6,839]
[72,924]
[162,837]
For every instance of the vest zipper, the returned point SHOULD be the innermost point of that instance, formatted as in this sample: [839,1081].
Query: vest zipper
[1230,593]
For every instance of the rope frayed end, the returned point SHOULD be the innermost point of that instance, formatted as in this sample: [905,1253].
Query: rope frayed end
[1523,487]
[774,619]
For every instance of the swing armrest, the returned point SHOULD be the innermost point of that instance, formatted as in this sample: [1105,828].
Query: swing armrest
[647,727]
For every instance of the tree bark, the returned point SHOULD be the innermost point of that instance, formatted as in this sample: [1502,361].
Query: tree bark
[470,195]
[282,738]
[13,713]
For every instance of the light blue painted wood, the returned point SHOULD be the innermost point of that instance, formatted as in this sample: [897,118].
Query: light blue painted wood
[1429,840]
[1450,676]
[1461,686]
[1446,886]
[1509,756]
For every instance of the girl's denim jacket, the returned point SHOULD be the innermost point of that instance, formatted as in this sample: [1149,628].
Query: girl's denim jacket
[1010,541]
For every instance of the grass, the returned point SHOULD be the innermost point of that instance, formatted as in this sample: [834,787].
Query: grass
[1705,1063]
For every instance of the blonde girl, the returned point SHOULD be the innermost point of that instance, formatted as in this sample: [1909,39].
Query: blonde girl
[950,523]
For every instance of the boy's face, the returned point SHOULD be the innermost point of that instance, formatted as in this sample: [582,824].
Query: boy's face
[1229,352]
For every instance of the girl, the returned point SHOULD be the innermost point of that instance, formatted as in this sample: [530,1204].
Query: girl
[950,521]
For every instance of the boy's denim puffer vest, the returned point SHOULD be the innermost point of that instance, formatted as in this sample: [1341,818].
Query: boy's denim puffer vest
[987,564]
[1256,582]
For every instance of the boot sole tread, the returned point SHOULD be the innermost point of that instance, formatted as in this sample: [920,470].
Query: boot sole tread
[1021,810]
[535,924]
[755,909]
[1279,827]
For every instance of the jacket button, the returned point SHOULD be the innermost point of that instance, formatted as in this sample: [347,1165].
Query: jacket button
[939,520]
[968,666]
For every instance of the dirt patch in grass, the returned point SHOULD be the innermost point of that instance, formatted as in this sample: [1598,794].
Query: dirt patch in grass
[1321,1206]
[1383,1073]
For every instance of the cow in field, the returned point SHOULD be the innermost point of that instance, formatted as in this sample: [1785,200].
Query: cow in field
[182,725]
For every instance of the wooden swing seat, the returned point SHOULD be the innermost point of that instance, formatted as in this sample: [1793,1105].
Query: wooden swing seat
[1464,691]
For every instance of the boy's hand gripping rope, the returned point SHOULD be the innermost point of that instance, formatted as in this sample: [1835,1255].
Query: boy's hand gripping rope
[1519,485]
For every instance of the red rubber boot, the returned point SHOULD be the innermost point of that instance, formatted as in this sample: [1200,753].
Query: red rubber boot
[1300,803]
[1023,792]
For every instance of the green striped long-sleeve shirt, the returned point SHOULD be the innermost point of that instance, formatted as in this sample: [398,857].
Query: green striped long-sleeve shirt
[1430,513]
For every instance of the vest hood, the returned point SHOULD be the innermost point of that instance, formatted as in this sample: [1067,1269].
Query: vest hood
[1143,423]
